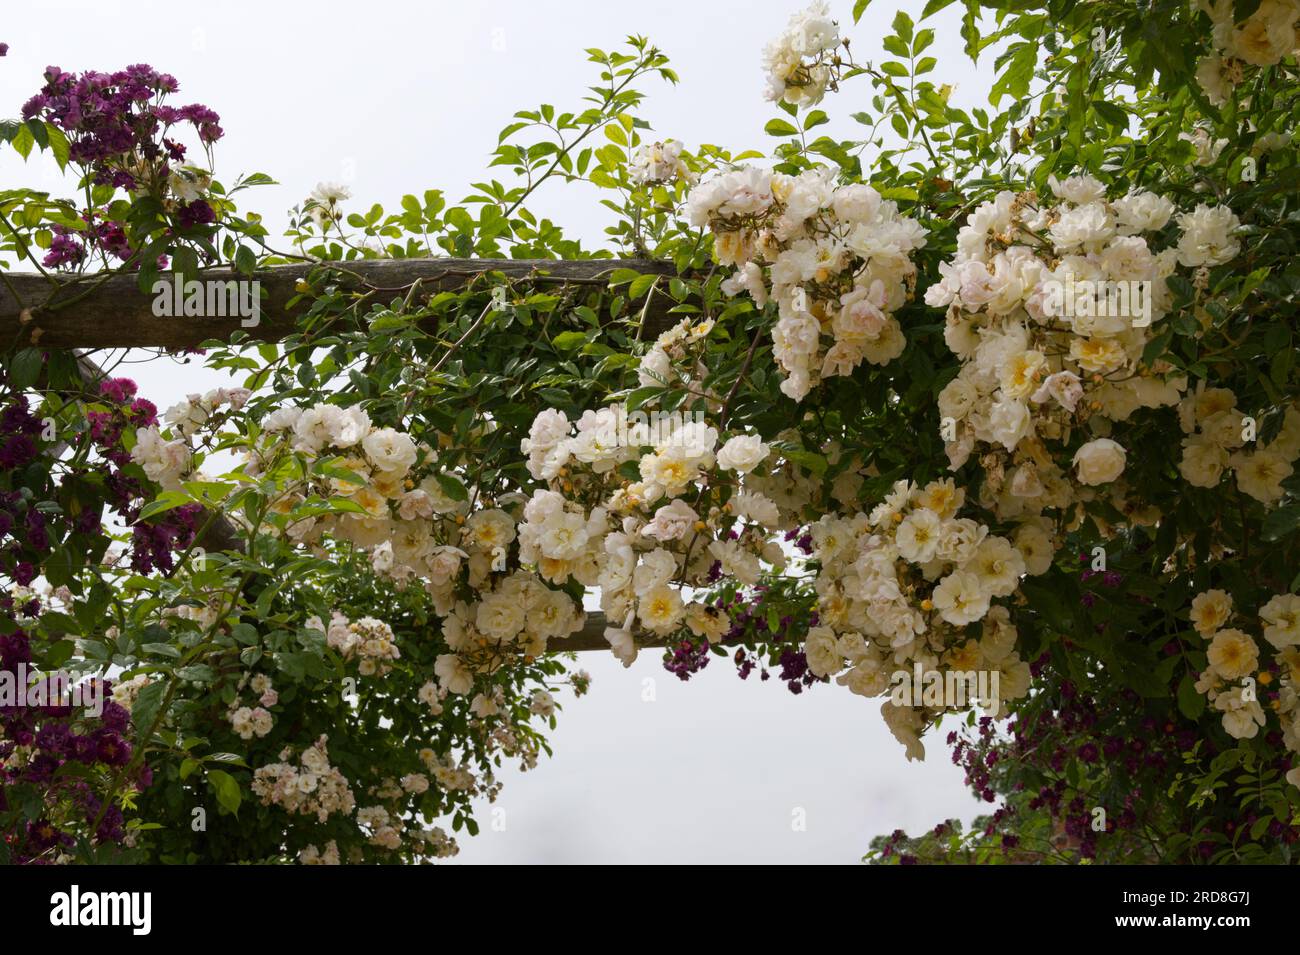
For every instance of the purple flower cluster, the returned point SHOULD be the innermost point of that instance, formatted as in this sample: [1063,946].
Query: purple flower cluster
[1110,579]
[115,120]
[749,620]
[24,530]
[801,539]
[28,534]
[58,737]
[1129,751]
[687,659]
[69,247]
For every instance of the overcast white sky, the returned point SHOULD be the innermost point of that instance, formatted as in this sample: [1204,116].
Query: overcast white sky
[397,97]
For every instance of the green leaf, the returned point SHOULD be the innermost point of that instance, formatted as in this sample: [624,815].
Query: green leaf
[640,285]
[245,260]
[244,633]
[567,341]
[164,502]
[451,486]
[58,145]
[810,460]
[1281,522]
[25,369]
[896,46]
[816,118]
[146,705]
[227,790]
[23,141]
[1190,703]
[903,26]
[779,127]
[1117,116]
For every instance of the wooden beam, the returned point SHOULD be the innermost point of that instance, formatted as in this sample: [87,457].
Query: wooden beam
[592,637]
[97,311]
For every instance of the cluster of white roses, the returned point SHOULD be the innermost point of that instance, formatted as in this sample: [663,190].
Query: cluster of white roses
[837,259]
[311,786]
[165,461]
[898,588]
[1269,35]
[1050,308]
[1231,682]
[625,508]
[373,472]
[389,831]
[368,641]
[675,359]
[799,63]
[451,775]
[170,460]
[659,162]
[195,412]
[252,721]
[1217,432]
[325,203]
[248,722]
[416,531]
[509,615]
[314,855]
[127,691]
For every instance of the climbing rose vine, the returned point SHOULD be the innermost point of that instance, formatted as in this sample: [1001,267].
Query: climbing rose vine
[987,414]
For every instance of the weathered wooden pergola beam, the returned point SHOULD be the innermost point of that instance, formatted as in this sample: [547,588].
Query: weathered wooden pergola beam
[592,637]
[98,311]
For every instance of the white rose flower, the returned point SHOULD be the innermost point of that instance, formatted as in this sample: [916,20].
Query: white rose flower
[1078,189]
[1087,226]
[960,598]
[1141,211]
[453,675]
[621,642]
[742,453]
[1063,386]
[1207,237]
[821,649]
[1035,546]
[753,506]
[671,522]
[1203,461]
[957,398]
[1210,611]
[1281,617]
[661,609]
[1232,654]
[918,536]
[390,450]
[1009,422]
[1100,461]
[348,427]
